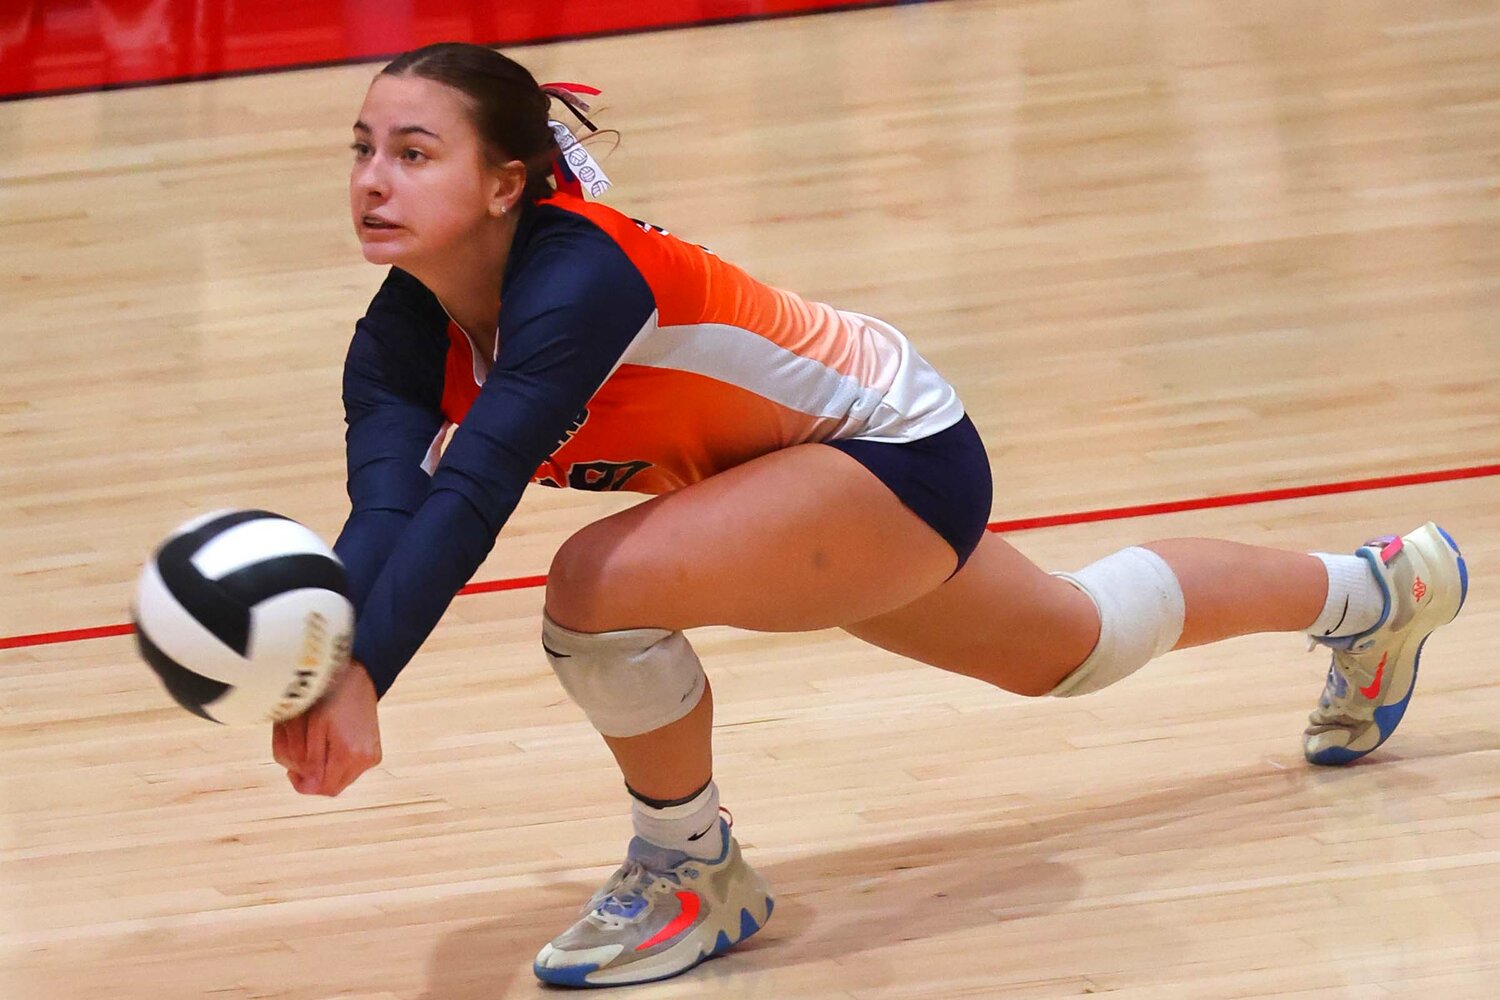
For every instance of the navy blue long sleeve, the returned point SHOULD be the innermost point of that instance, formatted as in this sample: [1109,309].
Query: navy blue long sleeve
[572,302]
[392,392]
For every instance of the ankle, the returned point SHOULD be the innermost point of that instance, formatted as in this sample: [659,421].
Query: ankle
[690,825]
[1356,601]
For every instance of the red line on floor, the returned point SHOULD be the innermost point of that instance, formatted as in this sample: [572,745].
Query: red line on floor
[67,635]
[1017,524]
[490,586]
[1242,499]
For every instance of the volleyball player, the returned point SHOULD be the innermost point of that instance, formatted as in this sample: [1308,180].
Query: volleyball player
[810,469]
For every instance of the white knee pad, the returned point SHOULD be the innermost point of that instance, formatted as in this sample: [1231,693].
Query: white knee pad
[1140,617]
[628,682]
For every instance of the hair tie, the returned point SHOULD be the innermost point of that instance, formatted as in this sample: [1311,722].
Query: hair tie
[568,93]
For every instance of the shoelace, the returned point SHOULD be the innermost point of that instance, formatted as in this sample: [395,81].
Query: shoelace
[1339,679]
[1354,675]
[632,881]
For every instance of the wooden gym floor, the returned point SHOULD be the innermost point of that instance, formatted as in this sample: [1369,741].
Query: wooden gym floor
[1166,250]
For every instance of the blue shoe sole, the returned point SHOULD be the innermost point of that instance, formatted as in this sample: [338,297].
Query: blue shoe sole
[1388,717]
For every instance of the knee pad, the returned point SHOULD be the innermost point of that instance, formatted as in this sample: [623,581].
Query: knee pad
[1141,612]
[628,682]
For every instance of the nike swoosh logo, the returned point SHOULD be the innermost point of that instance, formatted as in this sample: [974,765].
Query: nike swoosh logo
[1374,688]
[1341,618]
[704,833]
[691,904]
[553,652]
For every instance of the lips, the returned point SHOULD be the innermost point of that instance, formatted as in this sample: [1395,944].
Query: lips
[375,222]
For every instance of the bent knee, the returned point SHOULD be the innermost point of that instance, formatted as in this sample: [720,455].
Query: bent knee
[592,582]
[1030,684]
[1030,680]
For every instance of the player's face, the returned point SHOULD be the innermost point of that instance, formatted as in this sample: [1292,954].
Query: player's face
[420,184]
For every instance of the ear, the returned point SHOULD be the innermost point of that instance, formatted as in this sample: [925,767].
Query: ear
[507,185]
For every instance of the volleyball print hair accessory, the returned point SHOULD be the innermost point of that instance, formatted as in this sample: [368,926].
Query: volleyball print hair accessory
[575,169]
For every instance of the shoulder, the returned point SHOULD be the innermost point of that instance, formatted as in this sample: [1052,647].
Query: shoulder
[568,227]
[565,211]
[685,281]
[645,245]
[566,257]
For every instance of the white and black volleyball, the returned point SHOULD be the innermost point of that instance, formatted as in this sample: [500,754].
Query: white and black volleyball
[244,615]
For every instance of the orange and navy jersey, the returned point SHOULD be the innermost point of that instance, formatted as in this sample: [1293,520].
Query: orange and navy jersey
[626,358]
[722,369]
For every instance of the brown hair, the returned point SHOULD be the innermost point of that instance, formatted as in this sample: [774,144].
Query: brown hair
[507,106]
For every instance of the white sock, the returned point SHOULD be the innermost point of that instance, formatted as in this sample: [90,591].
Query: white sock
[1355,602]
[691,827]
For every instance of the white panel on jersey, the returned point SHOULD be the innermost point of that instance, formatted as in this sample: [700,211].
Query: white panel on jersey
[253,542]
[435,450]
[918,402]
[734,355]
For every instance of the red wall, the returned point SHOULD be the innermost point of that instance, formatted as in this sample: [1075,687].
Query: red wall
[48,46]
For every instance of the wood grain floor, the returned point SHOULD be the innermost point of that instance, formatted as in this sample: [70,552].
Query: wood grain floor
[1164,249]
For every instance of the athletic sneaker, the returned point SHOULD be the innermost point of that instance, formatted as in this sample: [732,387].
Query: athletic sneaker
[661,914]
[1370,681]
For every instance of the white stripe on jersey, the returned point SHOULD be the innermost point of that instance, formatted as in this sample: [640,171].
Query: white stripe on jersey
[916,403]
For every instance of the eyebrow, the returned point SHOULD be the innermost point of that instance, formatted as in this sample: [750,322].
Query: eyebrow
[403,130]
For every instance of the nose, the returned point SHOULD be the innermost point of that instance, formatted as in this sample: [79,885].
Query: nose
[370,178]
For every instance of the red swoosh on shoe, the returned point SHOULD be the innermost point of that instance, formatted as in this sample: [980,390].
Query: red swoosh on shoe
[690,906]
[1374,688]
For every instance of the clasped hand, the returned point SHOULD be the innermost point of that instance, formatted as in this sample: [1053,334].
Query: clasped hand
[335,741]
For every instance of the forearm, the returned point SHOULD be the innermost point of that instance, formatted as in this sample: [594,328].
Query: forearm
[364,546]
[438,552]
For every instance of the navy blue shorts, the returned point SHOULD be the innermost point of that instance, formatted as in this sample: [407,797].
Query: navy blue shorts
[944,478]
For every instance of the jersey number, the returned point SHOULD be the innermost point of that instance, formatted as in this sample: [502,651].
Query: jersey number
[600,477]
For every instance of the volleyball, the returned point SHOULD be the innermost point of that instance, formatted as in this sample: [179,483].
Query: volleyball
[244,615]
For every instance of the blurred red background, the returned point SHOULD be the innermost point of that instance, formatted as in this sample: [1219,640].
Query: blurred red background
[52,46]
